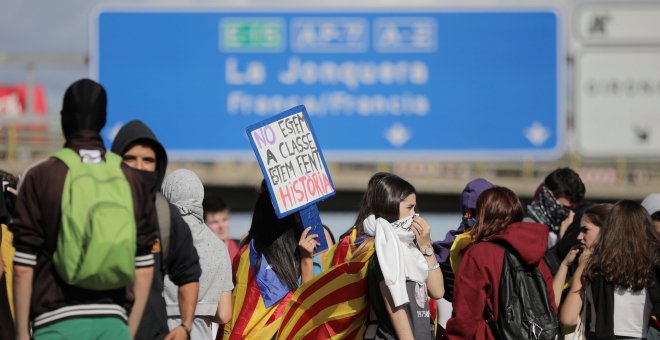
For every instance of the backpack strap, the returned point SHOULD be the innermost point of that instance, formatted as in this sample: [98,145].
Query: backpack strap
[551,258]
[507,248]
[69,157]
[113,158]
[164,224]
[490,320]
[72,159]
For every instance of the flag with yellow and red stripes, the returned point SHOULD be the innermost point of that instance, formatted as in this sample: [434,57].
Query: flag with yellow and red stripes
[251,319]
[332,305]
[342,250]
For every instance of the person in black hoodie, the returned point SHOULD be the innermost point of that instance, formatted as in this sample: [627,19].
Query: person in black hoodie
[41,297]
[141,150]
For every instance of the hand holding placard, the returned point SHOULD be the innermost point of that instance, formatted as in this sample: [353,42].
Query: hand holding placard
[294,167]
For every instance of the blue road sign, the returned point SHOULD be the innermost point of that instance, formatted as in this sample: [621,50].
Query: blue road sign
[377,84]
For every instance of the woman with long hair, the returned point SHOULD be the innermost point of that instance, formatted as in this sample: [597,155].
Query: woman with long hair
[404,272]
[185,191]
[476,288]
[276,258]
[615,282]
[592,219]
[349,241]
[449,251]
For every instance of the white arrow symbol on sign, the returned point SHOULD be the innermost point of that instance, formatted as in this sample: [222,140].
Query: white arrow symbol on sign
[537,134]
[397,135]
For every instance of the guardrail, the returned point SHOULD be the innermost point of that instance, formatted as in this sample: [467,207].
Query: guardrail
[29,139]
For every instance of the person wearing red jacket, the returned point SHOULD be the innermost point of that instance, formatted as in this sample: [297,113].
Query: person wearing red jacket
[499,219]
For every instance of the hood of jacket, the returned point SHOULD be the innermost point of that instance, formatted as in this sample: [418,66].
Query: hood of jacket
[471,193]
[83,108]
[136,132]
[529,240]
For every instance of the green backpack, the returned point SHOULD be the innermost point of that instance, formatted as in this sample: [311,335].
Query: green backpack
[96,244]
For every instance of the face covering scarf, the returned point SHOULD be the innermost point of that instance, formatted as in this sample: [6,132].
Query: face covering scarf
[397,255]
[547,210]
[151,179]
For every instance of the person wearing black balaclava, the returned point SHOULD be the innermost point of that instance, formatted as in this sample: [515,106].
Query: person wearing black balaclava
[141,150]
[41,298]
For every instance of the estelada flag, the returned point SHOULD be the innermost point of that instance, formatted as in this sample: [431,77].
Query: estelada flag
[342,250]
[250,317]
[333,304]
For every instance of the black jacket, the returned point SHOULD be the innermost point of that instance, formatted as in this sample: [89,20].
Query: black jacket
[182,263]
[182,267]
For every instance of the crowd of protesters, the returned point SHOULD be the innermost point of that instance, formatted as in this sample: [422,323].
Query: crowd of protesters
[561,267]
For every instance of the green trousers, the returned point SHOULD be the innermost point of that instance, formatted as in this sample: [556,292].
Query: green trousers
[85,328]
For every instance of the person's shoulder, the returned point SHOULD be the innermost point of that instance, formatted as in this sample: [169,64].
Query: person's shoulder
[216,243]
[483,250]
[529,219]
[44,168]
[485,246]
[181,238]
[176,220]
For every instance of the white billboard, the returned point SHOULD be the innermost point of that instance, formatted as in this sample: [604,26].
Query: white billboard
[617,102]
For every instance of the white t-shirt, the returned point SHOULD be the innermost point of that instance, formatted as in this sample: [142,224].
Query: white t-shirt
[631,312]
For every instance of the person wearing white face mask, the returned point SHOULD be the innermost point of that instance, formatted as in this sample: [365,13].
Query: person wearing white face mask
[404,272]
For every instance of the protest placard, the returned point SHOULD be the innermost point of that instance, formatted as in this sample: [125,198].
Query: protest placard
[291,161]
[293,166]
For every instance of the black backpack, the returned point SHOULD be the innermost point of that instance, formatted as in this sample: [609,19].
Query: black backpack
[525,310]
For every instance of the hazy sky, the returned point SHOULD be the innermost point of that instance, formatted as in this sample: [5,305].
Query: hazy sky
[45,26]
[39,26]
[62,26]
[42,26]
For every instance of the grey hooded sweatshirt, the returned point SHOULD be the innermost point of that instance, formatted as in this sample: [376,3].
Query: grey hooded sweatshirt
[185,191]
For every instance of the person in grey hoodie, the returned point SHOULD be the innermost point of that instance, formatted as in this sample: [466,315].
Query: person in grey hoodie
[185,191]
